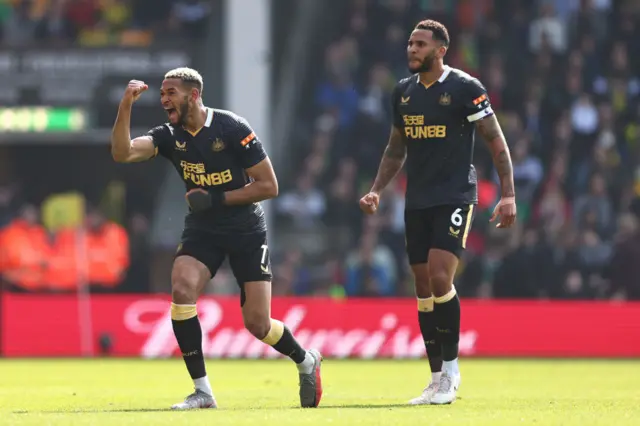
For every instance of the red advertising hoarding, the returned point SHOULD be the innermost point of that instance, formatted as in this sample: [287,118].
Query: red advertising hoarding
[139,325]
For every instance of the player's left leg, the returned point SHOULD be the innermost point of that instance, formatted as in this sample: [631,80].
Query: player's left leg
[251,267]
[451,228]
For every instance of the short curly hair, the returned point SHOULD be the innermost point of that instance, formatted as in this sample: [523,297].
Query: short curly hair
[438,30]
[188,76]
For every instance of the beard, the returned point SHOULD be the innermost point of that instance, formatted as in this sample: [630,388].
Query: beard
[426,64]
[183,113]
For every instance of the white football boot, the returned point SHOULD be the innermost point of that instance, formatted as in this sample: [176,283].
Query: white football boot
[427,394]
[447,388]
[196,400]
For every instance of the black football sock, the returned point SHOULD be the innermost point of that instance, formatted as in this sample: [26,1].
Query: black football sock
[186,327]
[430,336]
[447,313]
[281,339]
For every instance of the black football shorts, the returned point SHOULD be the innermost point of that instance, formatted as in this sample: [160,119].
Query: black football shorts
[248,254]
[441,227]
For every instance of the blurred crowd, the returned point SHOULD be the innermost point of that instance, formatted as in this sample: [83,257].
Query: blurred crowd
[100,22]
[563,78]
[66,244]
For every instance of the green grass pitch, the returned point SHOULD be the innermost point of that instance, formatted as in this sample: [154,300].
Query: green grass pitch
[493,392]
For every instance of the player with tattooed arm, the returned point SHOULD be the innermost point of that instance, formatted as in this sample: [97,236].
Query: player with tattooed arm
[436,113]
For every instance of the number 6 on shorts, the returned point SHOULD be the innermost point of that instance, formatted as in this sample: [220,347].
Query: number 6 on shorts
[456,217]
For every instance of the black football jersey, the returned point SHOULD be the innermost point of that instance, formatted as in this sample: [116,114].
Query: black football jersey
[215,157]
[438,125]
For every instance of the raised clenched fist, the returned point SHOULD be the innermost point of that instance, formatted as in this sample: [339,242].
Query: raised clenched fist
[134,90]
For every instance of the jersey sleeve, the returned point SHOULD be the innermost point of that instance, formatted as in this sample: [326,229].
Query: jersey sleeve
[162,139]
[395,101]
[476,101]
[245,142]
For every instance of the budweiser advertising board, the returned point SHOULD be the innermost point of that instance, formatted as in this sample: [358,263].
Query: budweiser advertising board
[35,325]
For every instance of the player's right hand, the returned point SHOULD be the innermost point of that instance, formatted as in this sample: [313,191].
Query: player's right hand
[506,211]
[198,199]
[134,90]
[369,203]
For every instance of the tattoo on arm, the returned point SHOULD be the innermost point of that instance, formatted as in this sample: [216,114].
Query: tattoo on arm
[392,160]
[491,132]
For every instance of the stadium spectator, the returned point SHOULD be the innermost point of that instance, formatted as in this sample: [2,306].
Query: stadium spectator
[19,27]
[594,210]
[190,17]
[24,251]
[305,205]
[96,255]
[370,269]
[107,246]
[625,262]
[548,31]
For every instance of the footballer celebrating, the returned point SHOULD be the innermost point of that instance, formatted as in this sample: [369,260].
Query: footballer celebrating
[227,173]
[435,114]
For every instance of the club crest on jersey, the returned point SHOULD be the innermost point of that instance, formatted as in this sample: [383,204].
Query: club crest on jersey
[218,145]
[445,99]
[181,146]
